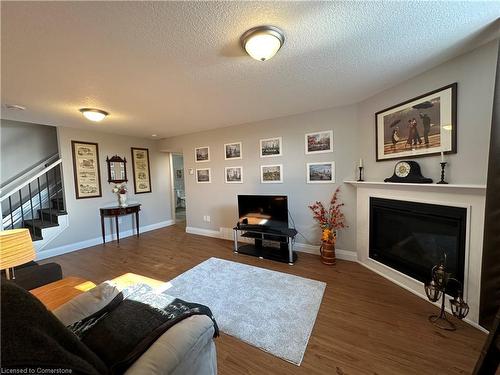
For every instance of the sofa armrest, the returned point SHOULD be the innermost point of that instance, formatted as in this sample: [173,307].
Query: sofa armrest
[32,275]
[181,344]
[86,304]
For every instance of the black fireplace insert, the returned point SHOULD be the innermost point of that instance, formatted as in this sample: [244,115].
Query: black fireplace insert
[412,237]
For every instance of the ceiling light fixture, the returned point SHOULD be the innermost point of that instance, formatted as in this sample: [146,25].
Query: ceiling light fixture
[262,42]
[93,114]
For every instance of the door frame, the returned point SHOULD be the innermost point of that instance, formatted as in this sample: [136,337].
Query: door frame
[173,196]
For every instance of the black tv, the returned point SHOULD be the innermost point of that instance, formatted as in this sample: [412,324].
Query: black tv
[263,211]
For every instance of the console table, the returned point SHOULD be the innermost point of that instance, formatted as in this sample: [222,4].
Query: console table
[116,211]
[284,237]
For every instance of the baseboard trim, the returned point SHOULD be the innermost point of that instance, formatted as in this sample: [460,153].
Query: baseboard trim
[421,295]
[226,234]
[49,253]
[203,232]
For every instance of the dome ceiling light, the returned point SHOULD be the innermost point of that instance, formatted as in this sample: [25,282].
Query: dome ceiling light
[262,42]
[93,114]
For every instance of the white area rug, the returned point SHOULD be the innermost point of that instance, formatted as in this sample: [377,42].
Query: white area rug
[271,310]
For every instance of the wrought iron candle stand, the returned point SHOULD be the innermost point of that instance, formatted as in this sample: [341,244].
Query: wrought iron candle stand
[443,166]
[360,174]
[436,289]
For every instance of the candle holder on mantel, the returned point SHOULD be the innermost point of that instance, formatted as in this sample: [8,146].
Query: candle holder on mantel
[437,288]
[360,174]
[443,166]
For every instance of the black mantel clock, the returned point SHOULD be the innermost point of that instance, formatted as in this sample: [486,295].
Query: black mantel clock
[408,171]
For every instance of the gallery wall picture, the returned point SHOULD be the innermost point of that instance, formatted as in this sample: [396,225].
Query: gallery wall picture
[319,142]
[422,126]
[233,151]
[204,175]
[86,169]
[141,170]
[271,174]
[321,173]
[202,154]
[270,147]
[233,175]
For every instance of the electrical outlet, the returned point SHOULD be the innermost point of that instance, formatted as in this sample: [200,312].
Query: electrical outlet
[208,219]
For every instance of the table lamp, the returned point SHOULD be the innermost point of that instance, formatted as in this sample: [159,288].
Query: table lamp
[16,248]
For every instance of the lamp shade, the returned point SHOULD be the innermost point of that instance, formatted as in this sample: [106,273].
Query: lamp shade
[16,248]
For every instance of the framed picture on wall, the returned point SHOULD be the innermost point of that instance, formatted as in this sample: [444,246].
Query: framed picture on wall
[233,175]
[319,142]
[204,176]
[422,126]
[141,170]
[232,151]
[271,174]
[202,154]
[270,147]
[86,169]
[321,173]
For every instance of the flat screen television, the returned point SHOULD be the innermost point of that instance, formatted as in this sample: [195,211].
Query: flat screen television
[266,211]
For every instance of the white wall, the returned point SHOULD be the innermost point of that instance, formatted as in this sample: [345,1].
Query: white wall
[84,215]
[219,200]
[475,74]
[23,145]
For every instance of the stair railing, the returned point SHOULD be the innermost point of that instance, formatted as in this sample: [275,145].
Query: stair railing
[38,194]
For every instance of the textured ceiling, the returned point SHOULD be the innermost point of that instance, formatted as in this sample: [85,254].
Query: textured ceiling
[172,68]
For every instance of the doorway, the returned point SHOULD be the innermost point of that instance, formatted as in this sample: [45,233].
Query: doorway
[179,192]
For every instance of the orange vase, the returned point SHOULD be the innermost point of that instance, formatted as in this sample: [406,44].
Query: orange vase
[327,251]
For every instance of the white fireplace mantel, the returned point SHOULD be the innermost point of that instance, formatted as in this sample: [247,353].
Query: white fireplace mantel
[448,187]
[471,197]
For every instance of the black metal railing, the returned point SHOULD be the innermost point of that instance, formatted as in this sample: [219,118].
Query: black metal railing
[36,202]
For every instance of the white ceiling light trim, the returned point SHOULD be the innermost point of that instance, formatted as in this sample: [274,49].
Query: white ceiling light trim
[262,42]
[94,114]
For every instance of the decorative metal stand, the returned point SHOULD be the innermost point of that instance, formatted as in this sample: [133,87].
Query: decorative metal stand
[360,174]
[443,165]
[436,289]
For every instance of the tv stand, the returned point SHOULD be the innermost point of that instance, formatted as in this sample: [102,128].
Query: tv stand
[282,237]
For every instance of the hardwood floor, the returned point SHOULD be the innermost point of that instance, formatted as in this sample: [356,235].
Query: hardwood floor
[366,324]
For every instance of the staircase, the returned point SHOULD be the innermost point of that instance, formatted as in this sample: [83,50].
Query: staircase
[36,201]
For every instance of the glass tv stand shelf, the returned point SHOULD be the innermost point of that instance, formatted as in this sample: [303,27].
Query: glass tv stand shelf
[270,244]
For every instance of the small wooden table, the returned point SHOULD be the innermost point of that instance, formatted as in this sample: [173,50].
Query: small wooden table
[116,211]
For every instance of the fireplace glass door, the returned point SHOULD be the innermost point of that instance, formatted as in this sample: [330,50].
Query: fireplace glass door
[412,237]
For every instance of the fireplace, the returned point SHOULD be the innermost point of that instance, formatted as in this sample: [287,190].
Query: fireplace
[411,237]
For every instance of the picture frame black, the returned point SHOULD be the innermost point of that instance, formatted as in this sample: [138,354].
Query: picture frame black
[82,178]
[446,96]
[142,184]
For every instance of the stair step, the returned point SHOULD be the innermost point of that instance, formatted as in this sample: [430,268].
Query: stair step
[52,211]
[34,237]
[37,223]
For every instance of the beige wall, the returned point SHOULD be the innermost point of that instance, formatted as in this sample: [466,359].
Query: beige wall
[219,200]
[24,145]
[475,74]
[84,216]
[354,137]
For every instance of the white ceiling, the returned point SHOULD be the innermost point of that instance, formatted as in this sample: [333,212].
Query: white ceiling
[172,68]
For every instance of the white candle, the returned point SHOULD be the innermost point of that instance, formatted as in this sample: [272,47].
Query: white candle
[442,157]
[361,162]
